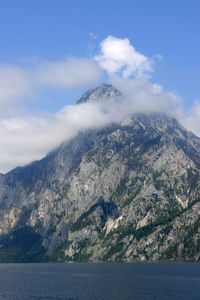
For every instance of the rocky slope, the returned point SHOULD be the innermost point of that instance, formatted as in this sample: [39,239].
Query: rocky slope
[127,192]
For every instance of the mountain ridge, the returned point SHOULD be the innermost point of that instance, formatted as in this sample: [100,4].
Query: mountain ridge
[124,192]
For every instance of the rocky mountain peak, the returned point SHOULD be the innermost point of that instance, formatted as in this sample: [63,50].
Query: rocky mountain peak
[124,192]
[100,93]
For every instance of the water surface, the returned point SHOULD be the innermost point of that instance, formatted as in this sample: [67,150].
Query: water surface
[100,281]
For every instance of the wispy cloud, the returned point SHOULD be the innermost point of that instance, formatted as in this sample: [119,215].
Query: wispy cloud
[67,74]
[17,83]
[14,85]
[191,118]
[93,36]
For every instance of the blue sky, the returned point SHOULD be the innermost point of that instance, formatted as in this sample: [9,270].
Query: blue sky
[50,29]
[53,50]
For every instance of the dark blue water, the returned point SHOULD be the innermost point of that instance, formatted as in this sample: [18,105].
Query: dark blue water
[100,281]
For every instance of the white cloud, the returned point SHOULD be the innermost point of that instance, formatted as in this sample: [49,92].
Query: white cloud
[14,82]
[191,118]
[119,56]
[67,74]
[143,96]
[17,83]
[29,138]
[25,138]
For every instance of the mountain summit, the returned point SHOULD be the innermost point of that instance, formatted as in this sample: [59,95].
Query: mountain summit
[126,192]
[100,93]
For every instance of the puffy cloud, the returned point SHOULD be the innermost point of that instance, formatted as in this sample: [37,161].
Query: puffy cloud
[119,56]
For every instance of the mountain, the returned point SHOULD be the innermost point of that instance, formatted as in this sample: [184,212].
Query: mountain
[126,192]
[101,93]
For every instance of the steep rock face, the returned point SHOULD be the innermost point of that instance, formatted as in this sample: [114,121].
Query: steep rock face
[127,192]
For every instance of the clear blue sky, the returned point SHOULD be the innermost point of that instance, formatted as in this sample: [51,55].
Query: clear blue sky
[52,29]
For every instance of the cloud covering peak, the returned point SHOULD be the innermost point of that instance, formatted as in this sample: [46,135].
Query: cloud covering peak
[26,137]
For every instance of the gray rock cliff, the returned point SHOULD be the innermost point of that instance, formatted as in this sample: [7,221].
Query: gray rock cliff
[126,192]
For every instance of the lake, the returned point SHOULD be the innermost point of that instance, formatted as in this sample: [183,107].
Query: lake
[107,281]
